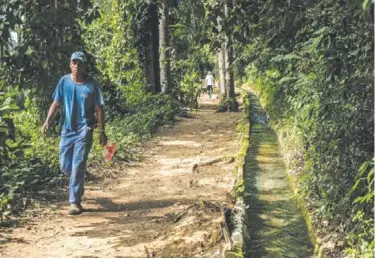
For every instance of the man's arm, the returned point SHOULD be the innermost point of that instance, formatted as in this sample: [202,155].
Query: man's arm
[53,109]
[100,116]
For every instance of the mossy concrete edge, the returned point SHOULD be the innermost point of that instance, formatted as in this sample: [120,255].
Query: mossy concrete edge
[305,212]
[239,233]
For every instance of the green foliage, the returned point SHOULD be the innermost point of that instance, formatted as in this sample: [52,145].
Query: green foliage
[190,54]
[190,90]
[110,40]
[361,236]
[243,127]
[25,156]
[7,130]
[37,40]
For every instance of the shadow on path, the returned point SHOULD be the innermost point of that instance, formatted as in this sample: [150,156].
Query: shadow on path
[275,222]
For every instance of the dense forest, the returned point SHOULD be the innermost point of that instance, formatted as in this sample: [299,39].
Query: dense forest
[311,62]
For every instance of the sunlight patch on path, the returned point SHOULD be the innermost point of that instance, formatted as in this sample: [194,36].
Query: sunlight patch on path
[180,143]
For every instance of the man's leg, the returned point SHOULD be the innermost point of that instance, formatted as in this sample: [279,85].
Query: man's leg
[82,148]
[66,154]
[209,90]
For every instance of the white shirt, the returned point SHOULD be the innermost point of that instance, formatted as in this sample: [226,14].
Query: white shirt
[210,80]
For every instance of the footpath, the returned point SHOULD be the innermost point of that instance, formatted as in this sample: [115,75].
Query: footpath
[168,205]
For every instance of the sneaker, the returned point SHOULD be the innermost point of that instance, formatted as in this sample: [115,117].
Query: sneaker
[75,209]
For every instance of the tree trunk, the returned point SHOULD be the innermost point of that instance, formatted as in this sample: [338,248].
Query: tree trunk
[229,80]
[221,62]
[152,50]
[229,77]
[165,70]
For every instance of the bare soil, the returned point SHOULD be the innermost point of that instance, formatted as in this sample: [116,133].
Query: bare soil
[168,205]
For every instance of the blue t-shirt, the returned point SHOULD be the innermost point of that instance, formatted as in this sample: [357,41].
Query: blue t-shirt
[78,101]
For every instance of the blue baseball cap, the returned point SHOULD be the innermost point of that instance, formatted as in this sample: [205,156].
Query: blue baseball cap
[78,55]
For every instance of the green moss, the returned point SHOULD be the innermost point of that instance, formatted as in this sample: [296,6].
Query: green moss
[243,130]
[235,253]
[306,215]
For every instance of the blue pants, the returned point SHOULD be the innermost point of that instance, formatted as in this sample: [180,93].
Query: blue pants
[74,150]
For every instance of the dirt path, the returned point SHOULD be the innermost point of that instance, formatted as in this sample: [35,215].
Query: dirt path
[156,207]
[275,222]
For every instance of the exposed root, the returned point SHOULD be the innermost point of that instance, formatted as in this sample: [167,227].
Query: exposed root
[195,168]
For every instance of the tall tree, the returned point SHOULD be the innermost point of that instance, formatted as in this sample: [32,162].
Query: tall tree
[165,68]
[152,50]
[221,61]
[221,64]
[229,76]
[223,42]
[146,32]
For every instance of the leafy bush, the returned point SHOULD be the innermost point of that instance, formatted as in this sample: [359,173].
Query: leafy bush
[190,90]
[27,159]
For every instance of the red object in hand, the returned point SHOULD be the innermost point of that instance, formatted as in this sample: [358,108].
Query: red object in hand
[111,148]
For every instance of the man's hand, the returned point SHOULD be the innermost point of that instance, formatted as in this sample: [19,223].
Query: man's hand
[100,116]
[45,126]
[53,109]
[103,138]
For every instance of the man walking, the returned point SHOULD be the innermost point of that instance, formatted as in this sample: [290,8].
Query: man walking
[81,100]
[209,83]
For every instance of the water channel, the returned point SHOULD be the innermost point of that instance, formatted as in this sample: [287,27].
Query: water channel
[275,222]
